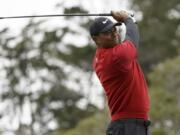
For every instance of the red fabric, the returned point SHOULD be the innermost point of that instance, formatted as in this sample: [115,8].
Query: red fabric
[123,81]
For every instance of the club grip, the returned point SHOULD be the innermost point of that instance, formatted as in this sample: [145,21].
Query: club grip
[105,14]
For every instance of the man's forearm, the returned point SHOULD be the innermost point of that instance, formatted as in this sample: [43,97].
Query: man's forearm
[132,32]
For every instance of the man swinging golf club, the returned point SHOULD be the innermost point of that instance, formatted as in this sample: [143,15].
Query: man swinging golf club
[117,68]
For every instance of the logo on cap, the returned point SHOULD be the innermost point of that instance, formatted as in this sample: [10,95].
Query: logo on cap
[105,21]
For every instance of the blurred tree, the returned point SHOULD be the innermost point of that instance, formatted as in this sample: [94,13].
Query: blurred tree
[159,29]
[39,65]
[165,92]
[94,125]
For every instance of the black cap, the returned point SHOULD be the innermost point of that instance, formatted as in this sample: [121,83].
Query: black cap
[101,24]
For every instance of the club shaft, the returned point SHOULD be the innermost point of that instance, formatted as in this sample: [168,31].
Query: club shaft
[55,15]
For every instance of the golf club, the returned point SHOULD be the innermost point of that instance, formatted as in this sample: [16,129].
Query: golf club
[58,15]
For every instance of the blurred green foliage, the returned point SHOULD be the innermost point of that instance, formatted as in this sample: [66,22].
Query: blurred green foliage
[95,125]
[165,92]
[37,75]
[159,29]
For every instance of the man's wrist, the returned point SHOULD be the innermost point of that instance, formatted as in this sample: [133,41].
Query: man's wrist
[129,19]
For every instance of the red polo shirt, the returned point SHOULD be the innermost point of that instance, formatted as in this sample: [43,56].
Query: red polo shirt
[123,81]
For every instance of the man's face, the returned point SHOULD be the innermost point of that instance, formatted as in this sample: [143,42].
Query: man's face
[107,39]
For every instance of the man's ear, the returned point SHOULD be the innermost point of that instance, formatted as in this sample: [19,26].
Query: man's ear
[95,39]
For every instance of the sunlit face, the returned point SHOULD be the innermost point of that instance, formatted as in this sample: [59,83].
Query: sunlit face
[107,39]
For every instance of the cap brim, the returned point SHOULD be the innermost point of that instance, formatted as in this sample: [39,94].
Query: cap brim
[110,26]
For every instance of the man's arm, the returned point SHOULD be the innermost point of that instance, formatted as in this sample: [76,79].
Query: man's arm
[132,32]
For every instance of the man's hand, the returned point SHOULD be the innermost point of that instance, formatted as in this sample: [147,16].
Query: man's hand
[120,16]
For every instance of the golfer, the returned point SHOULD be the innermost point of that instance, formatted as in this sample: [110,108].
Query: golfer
[119,72]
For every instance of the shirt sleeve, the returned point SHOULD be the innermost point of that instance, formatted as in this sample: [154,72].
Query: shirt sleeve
[132,32]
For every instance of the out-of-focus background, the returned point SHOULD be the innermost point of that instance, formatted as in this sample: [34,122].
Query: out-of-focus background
[47,86]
